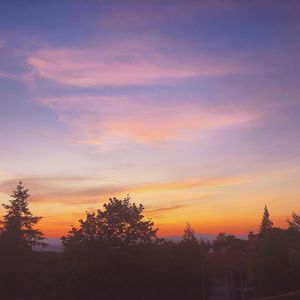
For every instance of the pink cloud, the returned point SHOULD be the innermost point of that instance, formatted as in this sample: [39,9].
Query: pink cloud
[146,60]
[98,120]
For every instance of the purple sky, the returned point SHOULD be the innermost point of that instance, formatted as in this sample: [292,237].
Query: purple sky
[192,107]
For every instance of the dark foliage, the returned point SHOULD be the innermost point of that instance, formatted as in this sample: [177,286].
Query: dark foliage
[266,224]
[276,263]
[189,234]
[18,239]
[225,242]
[120,222]
[294,222]
[163,270]
[114,254]
[18,223]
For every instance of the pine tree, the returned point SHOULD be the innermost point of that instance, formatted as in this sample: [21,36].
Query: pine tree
[295,221]
[17,232]
[266,223]
[189,234]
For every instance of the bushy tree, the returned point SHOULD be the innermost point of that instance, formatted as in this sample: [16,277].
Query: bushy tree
[17,227]
[228,242]
[116,241]
[120,222]
[276,262]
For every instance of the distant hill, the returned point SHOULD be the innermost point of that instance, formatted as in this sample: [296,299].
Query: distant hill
[55,245]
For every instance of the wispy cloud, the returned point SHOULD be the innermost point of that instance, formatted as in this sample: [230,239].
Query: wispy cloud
[39,183]
[190,183]
[67,190]
[80,190]
[163,209]
[138,61]
[97,119]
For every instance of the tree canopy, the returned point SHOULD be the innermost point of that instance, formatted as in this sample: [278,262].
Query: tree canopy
[120,222]
[226,241]
[275,265]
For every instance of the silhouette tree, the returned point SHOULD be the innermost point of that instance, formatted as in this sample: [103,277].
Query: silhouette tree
[226,241]
[189,234]
[266,223]
[17,231]
[193,264]
[271,268]
[294,222]
[120,221]
[18,240]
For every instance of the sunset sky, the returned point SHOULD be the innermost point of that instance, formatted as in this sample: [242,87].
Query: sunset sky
[191,107]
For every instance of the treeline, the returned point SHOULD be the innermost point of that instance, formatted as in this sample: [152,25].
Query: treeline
[275,265]
[115,254]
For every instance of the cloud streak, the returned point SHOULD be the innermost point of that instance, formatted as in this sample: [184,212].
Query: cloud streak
[74,190]
[190,183]
[98,120]
[155,212]
[138,61]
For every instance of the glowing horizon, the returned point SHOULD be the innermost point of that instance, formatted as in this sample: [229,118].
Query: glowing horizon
[193,109]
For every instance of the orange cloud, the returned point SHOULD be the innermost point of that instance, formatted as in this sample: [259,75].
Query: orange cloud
[190,183]
[62,201]
[76,190]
